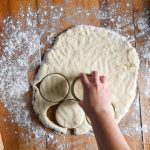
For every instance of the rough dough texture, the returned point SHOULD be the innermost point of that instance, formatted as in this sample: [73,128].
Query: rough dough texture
[83,49]
[69,114]
[49,85]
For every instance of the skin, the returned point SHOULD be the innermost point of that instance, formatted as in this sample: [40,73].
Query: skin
[1,143]
[97,105]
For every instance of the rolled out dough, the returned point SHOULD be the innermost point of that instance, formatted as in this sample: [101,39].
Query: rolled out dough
[69,114]
[83,49]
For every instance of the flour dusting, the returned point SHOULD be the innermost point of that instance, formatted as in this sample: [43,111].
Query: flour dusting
[24,38]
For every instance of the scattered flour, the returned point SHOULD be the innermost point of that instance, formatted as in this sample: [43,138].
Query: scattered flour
[21,51]
[132,126]
[144,128]
[145,66]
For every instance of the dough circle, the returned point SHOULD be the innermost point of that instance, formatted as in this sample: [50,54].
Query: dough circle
[69,114]
[54,87]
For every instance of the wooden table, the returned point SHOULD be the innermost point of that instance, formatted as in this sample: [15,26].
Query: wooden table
[126,17]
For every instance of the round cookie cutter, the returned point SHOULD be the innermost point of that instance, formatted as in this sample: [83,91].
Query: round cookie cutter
[72,86]
[66,82]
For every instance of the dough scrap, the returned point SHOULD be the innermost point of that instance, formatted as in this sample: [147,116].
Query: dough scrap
[84,49]
[49,85]
[69,114]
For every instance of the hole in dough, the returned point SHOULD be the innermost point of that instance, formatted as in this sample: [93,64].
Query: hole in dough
[51,113]
[54,87]
[69,114]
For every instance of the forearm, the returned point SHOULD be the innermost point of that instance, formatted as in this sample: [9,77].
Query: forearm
[97,105]
[107,132]
[1,143]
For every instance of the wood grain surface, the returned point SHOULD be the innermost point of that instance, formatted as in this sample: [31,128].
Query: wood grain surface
[139,113]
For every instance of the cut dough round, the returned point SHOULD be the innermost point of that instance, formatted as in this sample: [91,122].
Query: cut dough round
[69,114]
[77,89]
[54,87]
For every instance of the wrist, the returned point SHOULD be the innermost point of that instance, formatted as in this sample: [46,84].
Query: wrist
[102,114]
